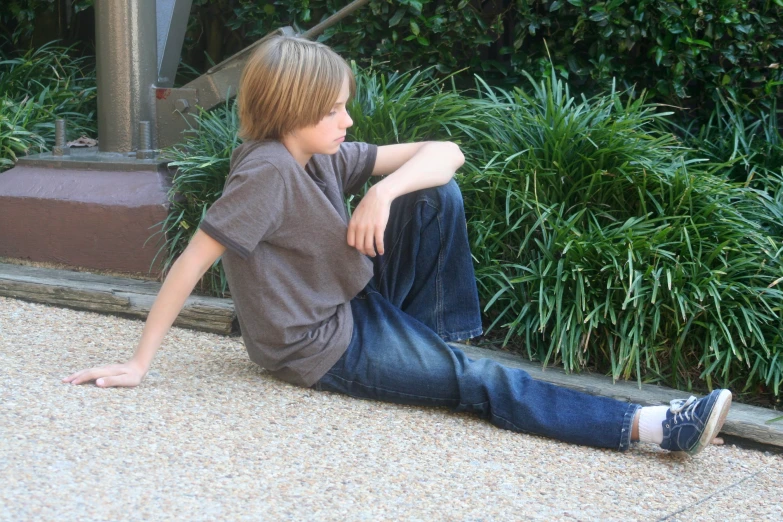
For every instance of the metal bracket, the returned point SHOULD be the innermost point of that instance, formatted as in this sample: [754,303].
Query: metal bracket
[175,109]
[172,22]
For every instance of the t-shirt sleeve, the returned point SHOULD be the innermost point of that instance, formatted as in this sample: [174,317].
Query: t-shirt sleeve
[250,208]
[354,163]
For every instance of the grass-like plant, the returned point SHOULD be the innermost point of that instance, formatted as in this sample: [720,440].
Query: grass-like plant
[36,88]
[202,164]
[598,241]
[751,142]
[15,139]
[751,146]
[411,106]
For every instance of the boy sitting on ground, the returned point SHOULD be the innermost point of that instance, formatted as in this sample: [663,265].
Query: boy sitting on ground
[369,306]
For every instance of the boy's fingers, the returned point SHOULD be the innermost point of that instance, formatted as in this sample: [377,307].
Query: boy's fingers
[351,233]
[89,375]
[80,376]
[369,246]
[379,239]
[71,377]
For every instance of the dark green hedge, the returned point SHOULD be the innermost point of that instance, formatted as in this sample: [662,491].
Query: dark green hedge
[679,51]
[682,52]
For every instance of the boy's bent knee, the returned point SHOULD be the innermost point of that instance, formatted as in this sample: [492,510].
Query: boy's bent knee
[449,195]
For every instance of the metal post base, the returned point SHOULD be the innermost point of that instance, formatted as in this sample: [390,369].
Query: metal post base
[89,210]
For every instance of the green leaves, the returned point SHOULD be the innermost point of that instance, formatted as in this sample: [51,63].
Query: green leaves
[412,106]
[601,241]
[202,164]
[15,138]
[38,87]
[397,17]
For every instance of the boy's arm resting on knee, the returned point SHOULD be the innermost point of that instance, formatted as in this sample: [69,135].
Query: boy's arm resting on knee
[410,167]
[417,166]
[191,265]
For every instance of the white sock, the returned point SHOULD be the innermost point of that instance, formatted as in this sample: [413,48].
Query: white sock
[651,424]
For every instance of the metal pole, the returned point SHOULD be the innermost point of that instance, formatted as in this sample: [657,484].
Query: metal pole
[126,59]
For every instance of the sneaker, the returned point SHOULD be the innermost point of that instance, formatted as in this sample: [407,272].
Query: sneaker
[691,424]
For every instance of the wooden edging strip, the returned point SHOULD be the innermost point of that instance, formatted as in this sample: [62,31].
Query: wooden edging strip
[133,297]
[106,294]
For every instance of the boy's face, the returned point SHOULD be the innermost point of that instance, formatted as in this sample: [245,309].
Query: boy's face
[326,136]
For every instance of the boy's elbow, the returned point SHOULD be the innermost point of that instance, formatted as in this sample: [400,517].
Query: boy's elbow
[455,154]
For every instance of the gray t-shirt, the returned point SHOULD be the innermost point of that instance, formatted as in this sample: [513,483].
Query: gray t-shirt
[291,272]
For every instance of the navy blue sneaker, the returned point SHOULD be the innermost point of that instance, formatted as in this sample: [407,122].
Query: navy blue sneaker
[691,424]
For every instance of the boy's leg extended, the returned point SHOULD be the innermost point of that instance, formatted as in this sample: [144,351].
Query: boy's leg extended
[427,270]
[424,292]
[394,357]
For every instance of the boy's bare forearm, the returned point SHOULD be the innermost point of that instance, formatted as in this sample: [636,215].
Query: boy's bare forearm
[200,254]
[433,165]
[176,289]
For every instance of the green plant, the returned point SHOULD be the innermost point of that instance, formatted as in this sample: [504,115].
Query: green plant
[411,106]
[749,143]
[58,82]
[38,87]
[202,166]
[598,241]
[685,54]
[15,139]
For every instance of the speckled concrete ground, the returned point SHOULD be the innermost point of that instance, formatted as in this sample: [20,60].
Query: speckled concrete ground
[209,436]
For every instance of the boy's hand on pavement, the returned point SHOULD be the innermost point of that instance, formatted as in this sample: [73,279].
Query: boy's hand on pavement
[128,374]
[368,223]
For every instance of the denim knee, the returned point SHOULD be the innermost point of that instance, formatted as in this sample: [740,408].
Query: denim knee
[450,194]
[445,197]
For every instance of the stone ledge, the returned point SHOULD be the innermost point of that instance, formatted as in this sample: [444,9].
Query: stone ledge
[134,297]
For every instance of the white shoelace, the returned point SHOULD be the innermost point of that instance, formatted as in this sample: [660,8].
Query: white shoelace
[678,405]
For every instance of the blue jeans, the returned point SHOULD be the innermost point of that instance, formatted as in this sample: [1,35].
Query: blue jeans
[422,295]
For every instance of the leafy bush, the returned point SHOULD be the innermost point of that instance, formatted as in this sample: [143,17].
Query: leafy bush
[25,23]
[17,18]
[38,87]
[680,53]
[202,164]
[597,240]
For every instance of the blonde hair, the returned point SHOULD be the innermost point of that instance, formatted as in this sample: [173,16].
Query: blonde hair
[289,83]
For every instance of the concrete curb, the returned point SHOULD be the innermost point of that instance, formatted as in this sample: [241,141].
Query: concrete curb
[133,297]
